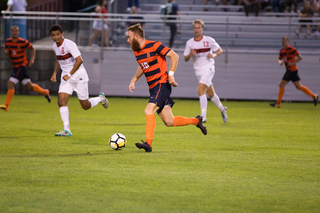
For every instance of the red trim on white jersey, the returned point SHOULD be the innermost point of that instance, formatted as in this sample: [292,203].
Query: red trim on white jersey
[199,39]
[64,57]
[61,43]
[206,45]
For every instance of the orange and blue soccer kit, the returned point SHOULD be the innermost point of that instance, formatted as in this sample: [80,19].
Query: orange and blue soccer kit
[151,59]
[17,53]
[289,55]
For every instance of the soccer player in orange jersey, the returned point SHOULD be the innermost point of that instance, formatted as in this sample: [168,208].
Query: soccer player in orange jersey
[290,56]
[16,49]
[150,56]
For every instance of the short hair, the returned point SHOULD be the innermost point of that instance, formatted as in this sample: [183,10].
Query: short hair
[198,21]
[137,29]
[285,37]
[14,27]
[56,27]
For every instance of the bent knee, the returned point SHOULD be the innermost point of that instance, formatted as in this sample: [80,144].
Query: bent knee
[85,107]
[168,123]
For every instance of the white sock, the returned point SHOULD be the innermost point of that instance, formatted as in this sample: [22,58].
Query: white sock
[64,113]
[203,105]
[95,101]
[216,100]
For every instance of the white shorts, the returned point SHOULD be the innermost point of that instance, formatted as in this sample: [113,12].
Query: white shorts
[80,88]
[205,75]
[97,25]
[15,80]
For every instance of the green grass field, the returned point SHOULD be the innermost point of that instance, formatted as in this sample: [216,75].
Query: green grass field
[262,160]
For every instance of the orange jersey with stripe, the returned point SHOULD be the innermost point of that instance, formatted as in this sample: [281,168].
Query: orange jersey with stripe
[151,58]
[18,50]
[289,55]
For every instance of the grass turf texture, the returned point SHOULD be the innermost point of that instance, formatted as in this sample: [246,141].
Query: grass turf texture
[263,160]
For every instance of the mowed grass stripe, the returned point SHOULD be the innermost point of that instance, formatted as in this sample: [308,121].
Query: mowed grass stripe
[262,160]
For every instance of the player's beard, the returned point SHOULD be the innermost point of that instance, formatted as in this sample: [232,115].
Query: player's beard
[135,46]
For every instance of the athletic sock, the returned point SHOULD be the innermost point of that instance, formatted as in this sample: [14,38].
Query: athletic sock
[280,95]
[203,105]
[216,100]
[150,127]
[94,101]
[64,113]
[38,89]
[182,121]
[10,95]
[306,91]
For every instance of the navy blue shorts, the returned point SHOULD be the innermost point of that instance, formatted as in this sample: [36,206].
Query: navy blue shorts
[20,73]
[160,95]
[291,76]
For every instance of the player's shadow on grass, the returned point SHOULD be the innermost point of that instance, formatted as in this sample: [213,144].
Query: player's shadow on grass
[113,152]
[108,124]
[23,112]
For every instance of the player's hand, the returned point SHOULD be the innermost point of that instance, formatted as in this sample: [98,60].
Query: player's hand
[210,55]
[53,78]
[65,77]
[280,62]
[7,52]
[131,87]
[290,64]
[172,82]
[31,61]
[192,53]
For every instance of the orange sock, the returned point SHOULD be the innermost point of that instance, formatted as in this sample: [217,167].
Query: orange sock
[182,121]
[306,91]
[10,95]
[280,95]
[38,89]
[150,127]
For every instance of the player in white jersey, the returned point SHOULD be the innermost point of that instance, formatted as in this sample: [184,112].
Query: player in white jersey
[74,77]
[201,49]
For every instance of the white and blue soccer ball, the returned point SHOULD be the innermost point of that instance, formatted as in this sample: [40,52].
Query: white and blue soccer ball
[117,141]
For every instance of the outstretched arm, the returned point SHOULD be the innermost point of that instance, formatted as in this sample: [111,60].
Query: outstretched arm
[135,78]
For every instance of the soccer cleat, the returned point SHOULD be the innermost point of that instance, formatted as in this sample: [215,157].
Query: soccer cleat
[104,102]
[200,125]
[64,133]
[224,115]
[47,96]
[275,105]
[315,100]
[204,120]
[144,145]
[4,107]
